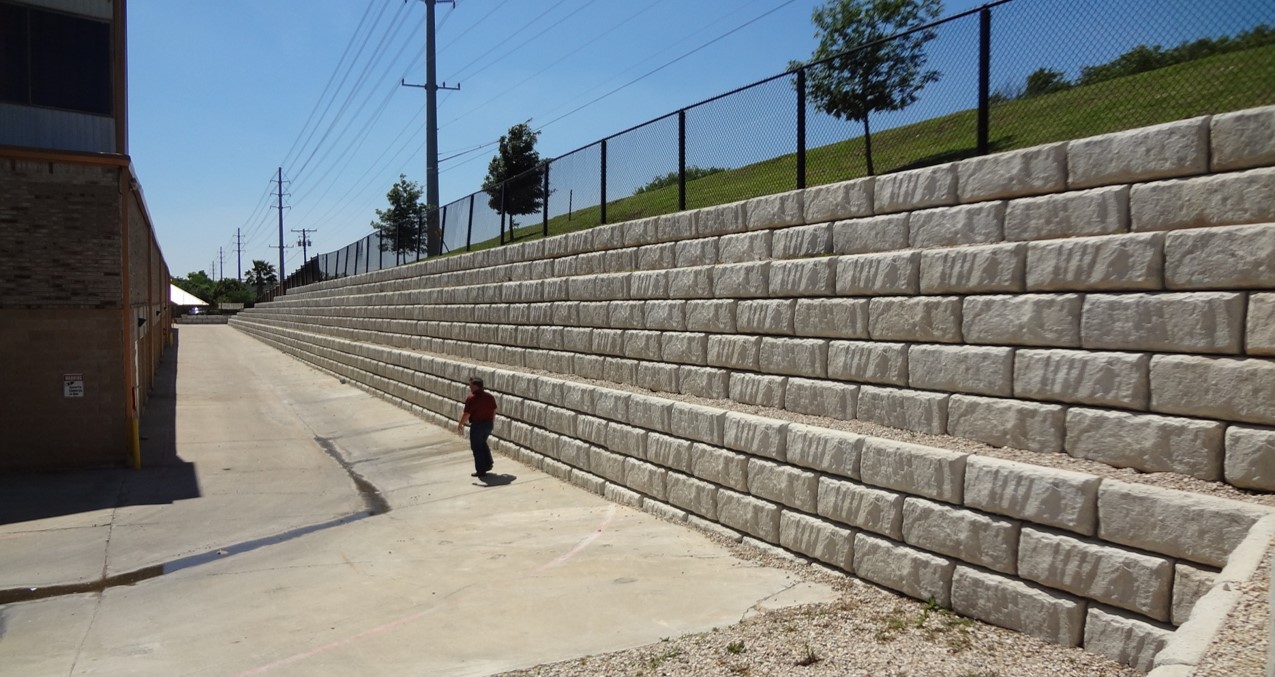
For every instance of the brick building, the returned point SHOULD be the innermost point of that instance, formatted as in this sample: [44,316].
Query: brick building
[83,285]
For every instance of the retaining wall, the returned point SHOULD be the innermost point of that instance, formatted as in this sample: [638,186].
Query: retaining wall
[1111,298]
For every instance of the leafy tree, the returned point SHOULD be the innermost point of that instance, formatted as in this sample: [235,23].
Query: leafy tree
[400,226]
[1143,58]
[261,274]
[1045,81]
[515,175]
[230,290]
[197,283]
[877,76]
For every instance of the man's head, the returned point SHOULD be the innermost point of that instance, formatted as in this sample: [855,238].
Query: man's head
[475,384]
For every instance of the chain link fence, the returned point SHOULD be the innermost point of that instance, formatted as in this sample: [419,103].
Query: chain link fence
[1010,74]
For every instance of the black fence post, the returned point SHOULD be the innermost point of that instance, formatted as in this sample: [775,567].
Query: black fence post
[367,254]
[801,128]
[469,230]
[358,254]
[502,215]
[681,160]
[442,230]
[984,79]
[602,204]
[544,205]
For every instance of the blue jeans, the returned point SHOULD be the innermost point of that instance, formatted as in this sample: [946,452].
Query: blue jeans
[479,431]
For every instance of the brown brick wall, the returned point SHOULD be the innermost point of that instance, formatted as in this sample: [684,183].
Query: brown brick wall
[42,428]
[59,235]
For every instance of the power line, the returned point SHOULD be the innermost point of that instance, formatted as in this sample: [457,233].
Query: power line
[648,74]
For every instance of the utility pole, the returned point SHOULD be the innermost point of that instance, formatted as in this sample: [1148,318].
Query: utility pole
[434,243]
[281,245]
[304,241]
[221,255]
[239,253]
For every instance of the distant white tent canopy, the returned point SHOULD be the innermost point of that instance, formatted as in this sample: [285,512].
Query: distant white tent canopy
[181,297]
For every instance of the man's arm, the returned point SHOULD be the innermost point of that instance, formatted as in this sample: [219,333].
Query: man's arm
[460,427]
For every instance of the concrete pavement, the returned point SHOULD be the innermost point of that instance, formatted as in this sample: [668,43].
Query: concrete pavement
[287,524]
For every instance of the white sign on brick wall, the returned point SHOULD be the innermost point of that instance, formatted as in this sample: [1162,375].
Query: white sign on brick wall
[73,385]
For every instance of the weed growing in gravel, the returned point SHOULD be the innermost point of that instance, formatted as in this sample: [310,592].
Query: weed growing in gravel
[735,647]
[659,660]
[809,659]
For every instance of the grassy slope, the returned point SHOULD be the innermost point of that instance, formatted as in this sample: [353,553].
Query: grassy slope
[1217,84]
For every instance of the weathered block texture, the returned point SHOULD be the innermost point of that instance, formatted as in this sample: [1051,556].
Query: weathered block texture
[1058,498]
[817,538]
[868,362]
[801,242]
[876,234]
[970,270]
[756,435]
[821,398]
[935,319]
[1012,604]
[1223,200]
[829,451]
[1147,442]
[691,494]
[1236,257]
[1243,139]
[915,189]
[749,515]
[1196,528]
[878,274]
[834,318]
[1113,262]
[1101,211]
[962,369]
[1114,576]
[839,200]
[1050,320]
[1226,388]
[1260,334]
[979,539]
[953,226]
[1250,457]
[915,573]
[1030,171]
[1007,423]
[1172,149]
[914,469]
[906,409]
[1123,638]
[1115,379]
[862,507]
[1180,323]
[1190,583]
[783,484]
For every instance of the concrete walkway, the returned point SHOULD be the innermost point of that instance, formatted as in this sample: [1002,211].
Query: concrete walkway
[287,524]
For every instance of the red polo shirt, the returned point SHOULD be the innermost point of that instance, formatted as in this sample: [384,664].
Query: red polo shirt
[480,406]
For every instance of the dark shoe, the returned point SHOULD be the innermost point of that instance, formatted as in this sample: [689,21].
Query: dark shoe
[478,474]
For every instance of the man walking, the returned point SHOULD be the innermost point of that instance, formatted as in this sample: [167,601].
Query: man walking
[480,414]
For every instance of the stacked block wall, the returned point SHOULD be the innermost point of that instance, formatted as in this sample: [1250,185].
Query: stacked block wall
[1110,298]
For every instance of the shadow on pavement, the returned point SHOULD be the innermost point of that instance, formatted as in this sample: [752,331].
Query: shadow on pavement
[164,477]
[495,480]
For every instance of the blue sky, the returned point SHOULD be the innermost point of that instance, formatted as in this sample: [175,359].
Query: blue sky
[223,93]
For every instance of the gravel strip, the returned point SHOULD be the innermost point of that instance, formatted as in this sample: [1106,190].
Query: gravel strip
[1240,647]
[868,631]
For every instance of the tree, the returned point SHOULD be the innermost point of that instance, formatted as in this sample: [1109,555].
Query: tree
[197,283]
[230,290]
[1045,81]
[515,175]
[884,76]
[262,274]
[399,227]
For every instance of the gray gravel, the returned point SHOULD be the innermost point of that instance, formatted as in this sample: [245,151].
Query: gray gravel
[868,631]
[1241,645]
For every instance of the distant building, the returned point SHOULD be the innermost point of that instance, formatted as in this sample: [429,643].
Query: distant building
[83,285]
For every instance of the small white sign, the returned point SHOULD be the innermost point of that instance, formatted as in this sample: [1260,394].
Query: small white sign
[73,385]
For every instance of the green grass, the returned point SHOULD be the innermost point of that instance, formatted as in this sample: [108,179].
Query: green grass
[1216,84]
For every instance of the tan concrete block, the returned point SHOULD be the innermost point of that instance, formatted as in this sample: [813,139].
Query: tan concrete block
[862,507]
[1121,578]
[1059,498]
[1231,389]
[973,537]
[915,573]
[1012,604]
